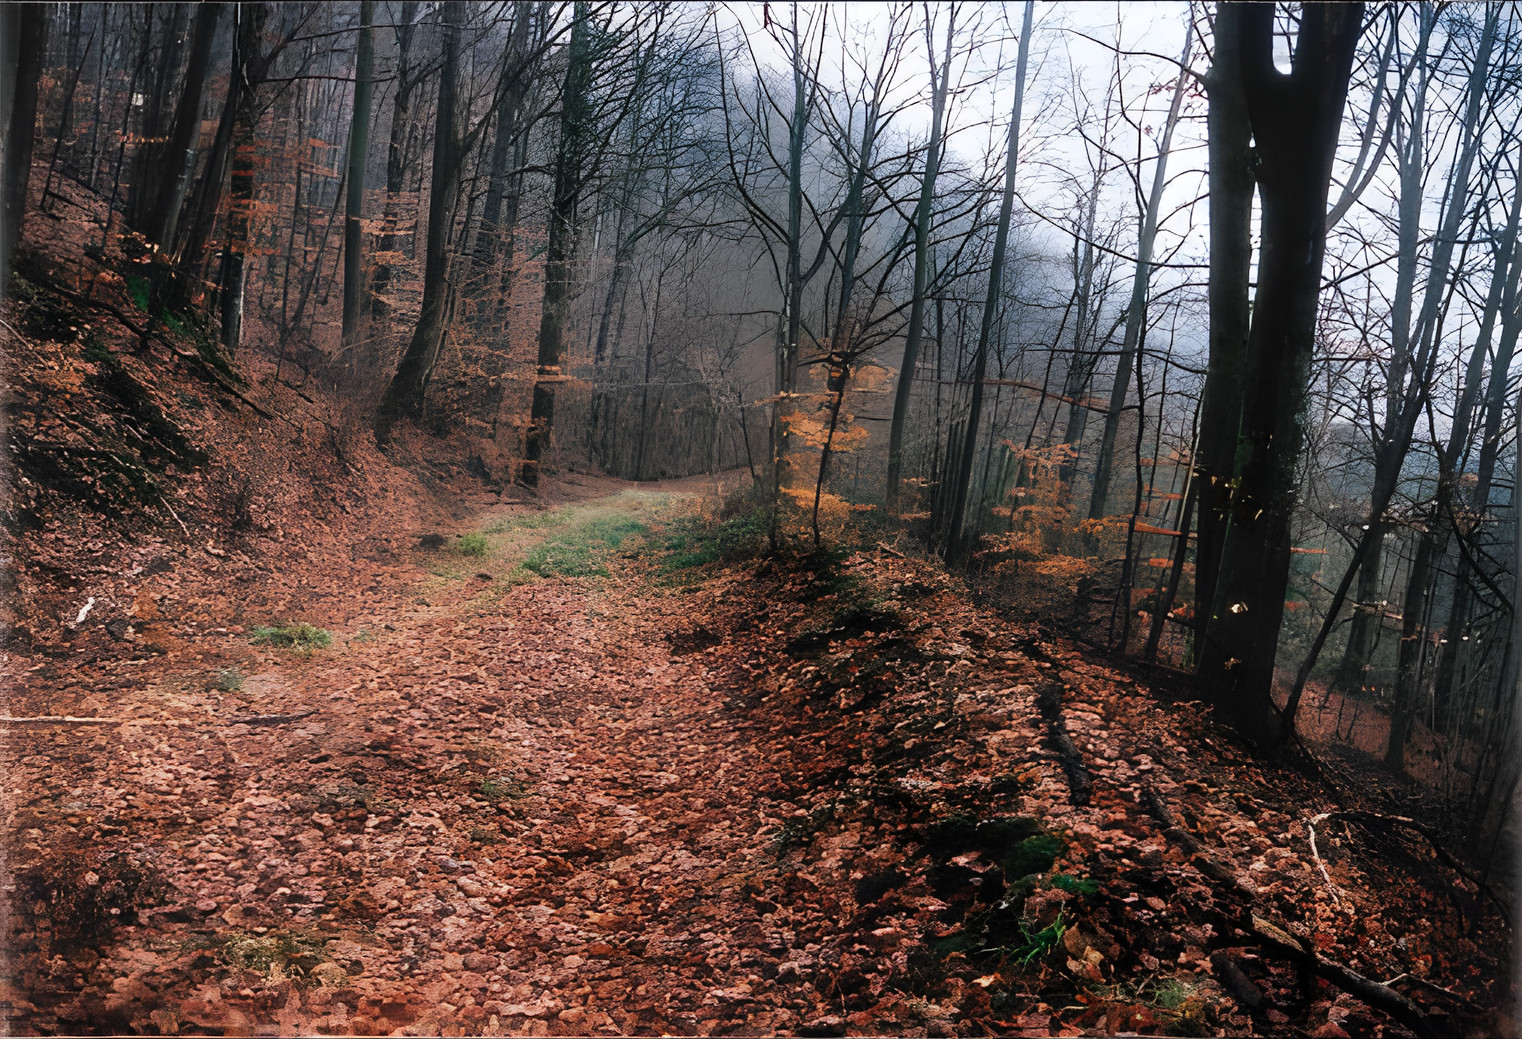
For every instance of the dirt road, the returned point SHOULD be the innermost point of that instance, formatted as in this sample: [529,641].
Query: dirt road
[497,802]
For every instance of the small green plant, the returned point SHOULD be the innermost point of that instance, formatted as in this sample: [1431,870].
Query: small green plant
[139,288]
[472,545]
[1034,945]
[502,788]
[230,680]
[302,637]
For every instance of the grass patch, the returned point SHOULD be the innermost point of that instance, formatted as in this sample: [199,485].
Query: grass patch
[302,637]
[738,531]
[472,545]
[581,550]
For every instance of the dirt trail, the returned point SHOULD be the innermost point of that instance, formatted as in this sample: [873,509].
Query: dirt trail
[513,808]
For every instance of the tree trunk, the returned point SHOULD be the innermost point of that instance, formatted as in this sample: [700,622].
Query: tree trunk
[1295,119]
[404,394]
[249,64]
[1231,197]
[396,153]
[957,544]
[1136,313]
[574,125]
[180,153]
[1364,628]
[359,146]
[26,27]
[904,389]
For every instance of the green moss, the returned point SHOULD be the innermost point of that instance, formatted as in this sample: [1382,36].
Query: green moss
[279,953]
[1074,885]
[503,788]
[1032,855]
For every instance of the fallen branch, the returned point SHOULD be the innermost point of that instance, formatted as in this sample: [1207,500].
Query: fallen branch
[271,719]
[64,719]
[1379,996]
[1198,857]
[1372,820]
[1242,988]
[1080,784]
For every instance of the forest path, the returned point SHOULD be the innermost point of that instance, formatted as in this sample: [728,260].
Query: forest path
[497,803]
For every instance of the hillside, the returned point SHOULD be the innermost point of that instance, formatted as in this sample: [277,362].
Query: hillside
[307,737]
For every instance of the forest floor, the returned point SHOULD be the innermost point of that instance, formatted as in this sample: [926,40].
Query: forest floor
[571,763]
[573,785]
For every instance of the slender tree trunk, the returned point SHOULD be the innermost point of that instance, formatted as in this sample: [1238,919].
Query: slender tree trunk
[1363,629]
[250,65]
[956,542]
[1136,313]
[903,391]
[790,326]
[359,146]
[507,130]
[396,154]
[66,117]
[574,125]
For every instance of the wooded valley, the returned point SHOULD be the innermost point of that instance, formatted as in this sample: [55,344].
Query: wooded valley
[874,518]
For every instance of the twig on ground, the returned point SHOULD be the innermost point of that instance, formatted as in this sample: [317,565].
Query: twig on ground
[1310,828]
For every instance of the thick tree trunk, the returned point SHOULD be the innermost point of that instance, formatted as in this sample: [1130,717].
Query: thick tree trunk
[1295,120]
[1231,197]
[180,152]
[26,28]
[404,394]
